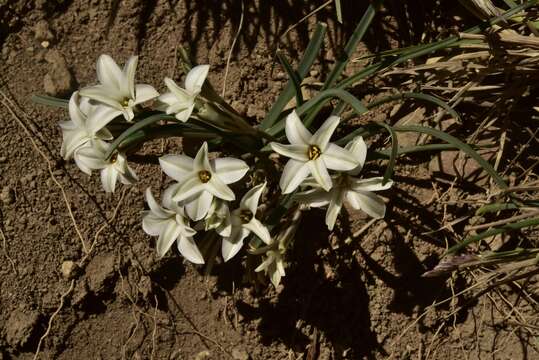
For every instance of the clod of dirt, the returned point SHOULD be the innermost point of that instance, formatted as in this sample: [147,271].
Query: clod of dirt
[58,81]
[7,195]
[99,271]
[203,355]
[20,327]
[240,354]
[42,31]
[69,269]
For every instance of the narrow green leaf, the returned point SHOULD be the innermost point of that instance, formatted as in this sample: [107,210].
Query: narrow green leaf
[485,209]
[458,144]
[351,45]
[414,149]
[417,96]
[136,127]
[492,232]
[393,155]
[50,101]
[305,64]
[338,9]
[293,76]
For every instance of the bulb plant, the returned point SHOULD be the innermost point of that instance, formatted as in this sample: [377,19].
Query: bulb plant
[229,192]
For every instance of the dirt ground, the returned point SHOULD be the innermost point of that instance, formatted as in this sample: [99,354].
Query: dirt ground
[340,299]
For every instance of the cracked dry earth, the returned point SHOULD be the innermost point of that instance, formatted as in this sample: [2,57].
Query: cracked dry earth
[339,300]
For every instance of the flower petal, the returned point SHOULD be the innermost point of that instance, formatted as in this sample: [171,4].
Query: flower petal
[229,169]
[128,177]
[358,148]
[296,132]
[293,174]
[168,98]
[233,244]
[110,74]
[128,85]
[167,237]
[109,175]
[320,173]
[182,111]
[252,197]
[104,95]
[176,166]
[314,197]
[337,158]
[369,202]
[153,225]
[144,93]
[91,158]
[197,206]
[201,161]
[190,186]
[180,95]
[72,140]
[297,152]
[334,208]
[220,189]
[323,134]
[195,78]
[100,116]
[259,229]
[156,209]
[372,184]
[188,248]
[75,113]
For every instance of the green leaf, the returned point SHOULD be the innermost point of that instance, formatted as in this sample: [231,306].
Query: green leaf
[458,144]
[293,76]
[338,9]
[321,98]
[351,45]
[417,96]
[136,127]
[492,232]
[308,58]
[50,101]
[393,154]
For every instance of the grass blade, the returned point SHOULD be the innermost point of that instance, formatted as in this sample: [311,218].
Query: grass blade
[393,154]
[458,144]
[351,45]
[50,101]
[293,76]
[308,58]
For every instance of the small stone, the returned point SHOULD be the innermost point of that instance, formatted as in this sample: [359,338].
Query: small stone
[240,354]
[3,159]
[203,355]
[20,327]
[7,195]
[68,269]
[42,31]
[59,80]
[45,44]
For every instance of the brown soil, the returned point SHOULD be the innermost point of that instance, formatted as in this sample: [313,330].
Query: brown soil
[339,299]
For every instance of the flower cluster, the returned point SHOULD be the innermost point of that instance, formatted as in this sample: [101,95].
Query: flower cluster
[200,199]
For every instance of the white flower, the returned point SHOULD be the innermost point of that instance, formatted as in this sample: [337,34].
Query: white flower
[200,179]
[87,123]
[181,101]
[92,157]
[243,222]
[170,224]
[311,154]
[357,192]
[218,218]
[117,87]
[273,266]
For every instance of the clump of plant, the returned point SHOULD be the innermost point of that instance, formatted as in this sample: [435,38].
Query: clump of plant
[248,184]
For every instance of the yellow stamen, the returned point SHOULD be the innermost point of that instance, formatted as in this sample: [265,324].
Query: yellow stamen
[204,176]
[314,152]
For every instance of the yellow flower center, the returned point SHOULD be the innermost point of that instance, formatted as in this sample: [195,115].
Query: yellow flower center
[114,157]
[125,102]
[313,152]
[246,216]
[204,176]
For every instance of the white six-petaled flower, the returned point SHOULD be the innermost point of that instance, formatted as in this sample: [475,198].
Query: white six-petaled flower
[170,224]
[117,88]
[200,179]
[92,157]
[179,101]
[243,222]
[311,154]
[273,266]
[357,192]
[87,123]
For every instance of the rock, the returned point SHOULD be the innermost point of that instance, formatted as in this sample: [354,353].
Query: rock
[240,354]
[58,81]
[20,327]
[99,271]
[7,195]
[42,31]
[68,269]
[453,163]
[203,355]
